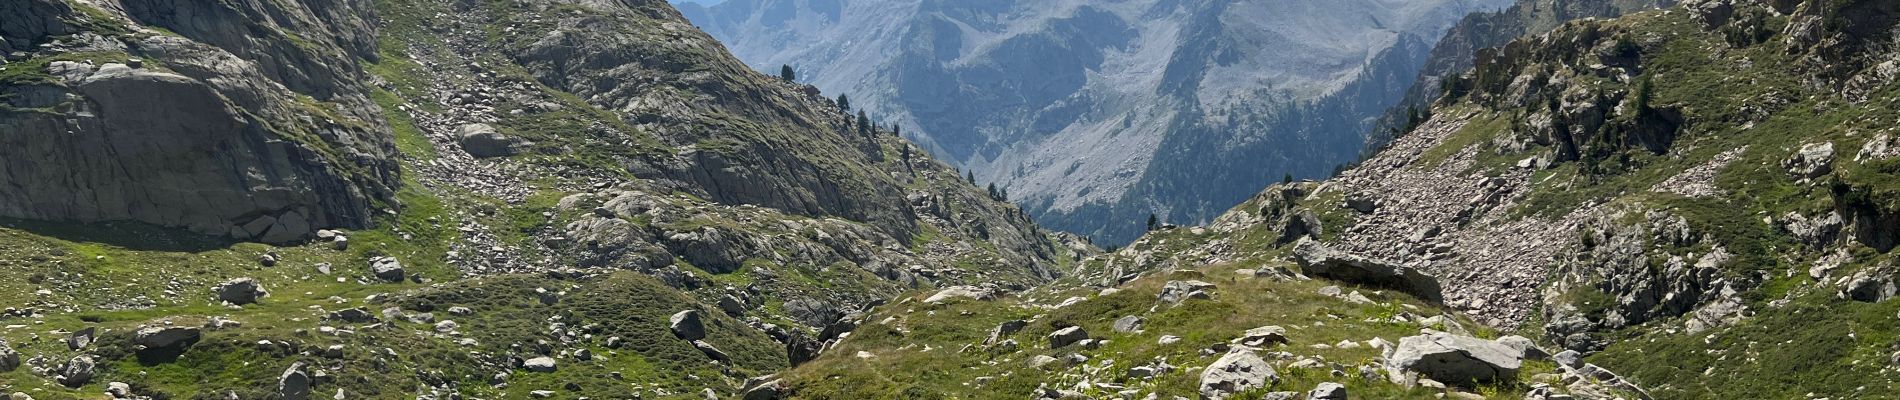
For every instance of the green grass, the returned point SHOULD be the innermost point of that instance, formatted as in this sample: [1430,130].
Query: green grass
[901,368]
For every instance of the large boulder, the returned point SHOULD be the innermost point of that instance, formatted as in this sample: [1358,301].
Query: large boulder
[1456,359]
[165,337]
[1322,261]
[711,352]
[240,291]
[386,269]
[1238,371]
[768,390]
[1175,291]
[1128,324]
[967,292]
[9,358]
[1263,336]
[687,325]
[539,364]
[294,384]
[78,371]
[1067,336]
[1005,329]
[484,141]
[1812,161]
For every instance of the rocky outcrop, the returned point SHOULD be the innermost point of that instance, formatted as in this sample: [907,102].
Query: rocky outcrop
[687,326]
[9,358]
[1321,261]
[1454,359]
[295,383]
[1239,371]
[240,291]
[124,138]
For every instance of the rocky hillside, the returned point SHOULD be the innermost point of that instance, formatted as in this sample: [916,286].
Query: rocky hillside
[1700,199]
[1095,114]
[445,199]
[1456,51]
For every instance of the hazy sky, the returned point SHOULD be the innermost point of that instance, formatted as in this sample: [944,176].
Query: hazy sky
[705,2]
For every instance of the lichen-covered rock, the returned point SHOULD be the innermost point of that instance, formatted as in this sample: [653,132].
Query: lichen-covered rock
[240,291]
[1319,260]
[1456,359]
[1238,371]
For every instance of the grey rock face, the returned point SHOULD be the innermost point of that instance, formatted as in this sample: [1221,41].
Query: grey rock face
[539,364]
[686,325]
[1175,291]
[78,371]
[711,352]
[295,383]
[1128,324]
[9,358]
[128,138]
[386,269]
[484,141]
[1327,391]
[1456,359]
[769,390]
[1263,336]
[968,292]
[1005,329]
[1067,336]
[1238,371]
[165,337]
[240,291]
[1319,260]
[1812,161]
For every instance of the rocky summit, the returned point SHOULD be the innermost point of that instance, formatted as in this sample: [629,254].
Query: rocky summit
[460,199]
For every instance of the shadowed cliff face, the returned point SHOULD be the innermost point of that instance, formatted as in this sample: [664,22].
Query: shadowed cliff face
[1092,114]
[224,124]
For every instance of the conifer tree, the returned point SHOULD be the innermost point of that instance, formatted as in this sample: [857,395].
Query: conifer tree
[1153,223]
[844,103]
[785,72]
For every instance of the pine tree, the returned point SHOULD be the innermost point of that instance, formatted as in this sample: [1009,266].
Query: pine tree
[1153,223]
[971,177]
[844,103]
[897,130]
[864,124]
[785,72]
[1287,179]
[993,195]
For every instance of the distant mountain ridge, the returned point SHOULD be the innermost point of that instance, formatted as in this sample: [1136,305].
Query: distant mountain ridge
[1094,114]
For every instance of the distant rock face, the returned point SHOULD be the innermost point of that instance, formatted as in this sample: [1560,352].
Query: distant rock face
[1069,106]
[128,139]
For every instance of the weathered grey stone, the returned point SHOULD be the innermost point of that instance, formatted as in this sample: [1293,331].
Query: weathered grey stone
[1319,260]
[731,305]
[1129,324]
[386,269]
[768,390]
[686,325]
[1067,336]
[711,352]
[1175,291]
[1327,391]
[1812,161]
[9,358]
[165,337]
[78,371]
[1005,329]
[240,291]
[76,341]
[966,292]
[1456,359]
[539,364]
[484,141]
[295,383]
[1238,371]
[357,315]
[1263,336]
